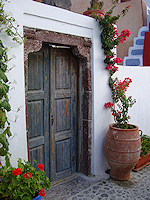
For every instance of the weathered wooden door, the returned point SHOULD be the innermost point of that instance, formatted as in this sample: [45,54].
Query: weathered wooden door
[52,110]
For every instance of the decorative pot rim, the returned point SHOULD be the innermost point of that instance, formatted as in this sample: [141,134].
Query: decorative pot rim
[120,129]
[96,10]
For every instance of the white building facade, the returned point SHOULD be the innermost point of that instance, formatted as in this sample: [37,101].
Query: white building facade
[40,17]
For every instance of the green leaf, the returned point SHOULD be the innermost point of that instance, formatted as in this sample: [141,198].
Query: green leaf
[4,141]
[3,89]
[3,66]
[5,104]
[20,165]
[3,151]
[7,131]
[7,160]
[3,76]
[27,198]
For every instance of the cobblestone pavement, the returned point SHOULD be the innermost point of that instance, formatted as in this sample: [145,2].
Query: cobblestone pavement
[85,188]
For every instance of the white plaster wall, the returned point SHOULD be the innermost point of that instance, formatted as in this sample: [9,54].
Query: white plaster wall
[37,15]
[148,11]
[18,142]
[139,89]
[147,2]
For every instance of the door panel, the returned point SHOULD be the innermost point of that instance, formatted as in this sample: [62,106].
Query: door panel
[37,154]
[62,72]
[35,73]
[64,110]
[36,118]
[52,110]
[38,108]
[63,152]
[63,114]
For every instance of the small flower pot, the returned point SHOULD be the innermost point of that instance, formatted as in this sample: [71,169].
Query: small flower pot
[90,12]
[37,198]
[143,162]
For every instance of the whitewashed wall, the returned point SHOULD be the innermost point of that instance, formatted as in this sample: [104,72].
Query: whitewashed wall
[37,15]
[139,89]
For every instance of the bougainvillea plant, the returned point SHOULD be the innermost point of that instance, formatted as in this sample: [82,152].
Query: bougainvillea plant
[110,39]
[23,182]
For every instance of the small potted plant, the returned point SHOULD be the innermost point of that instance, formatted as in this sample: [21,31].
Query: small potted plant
[145,153]
[24,182]
[96,7]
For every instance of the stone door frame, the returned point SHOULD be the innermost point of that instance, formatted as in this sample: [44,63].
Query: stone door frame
[81,48]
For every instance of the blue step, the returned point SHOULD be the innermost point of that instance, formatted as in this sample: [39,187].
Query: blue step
[143,33]
[132,62]
[137,52]
[139,42]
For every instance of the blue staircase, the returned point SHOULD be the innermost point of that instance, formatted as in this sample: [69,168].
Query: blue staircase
[135,54]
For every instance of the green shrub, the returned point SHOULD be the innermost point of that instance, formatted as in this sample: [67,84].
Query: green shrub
[145,143]
[24,182]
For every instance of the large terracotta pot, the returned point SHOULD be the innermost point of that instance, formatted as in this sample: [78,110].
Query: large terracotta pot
[122,150]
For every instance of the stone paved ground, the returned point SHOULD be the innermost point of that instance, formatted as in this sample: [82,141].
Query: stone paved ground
[84,188]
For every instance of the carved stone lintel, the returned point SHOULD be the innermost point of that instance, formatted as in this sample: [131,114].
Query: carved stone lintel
[31,46]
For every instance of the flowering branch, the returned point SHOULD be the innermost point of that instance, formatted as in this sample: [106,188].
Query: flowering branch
[7,24]
[110,39]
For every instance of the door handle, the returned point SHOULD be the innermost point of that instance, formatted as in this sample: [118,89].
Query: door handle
[52,120]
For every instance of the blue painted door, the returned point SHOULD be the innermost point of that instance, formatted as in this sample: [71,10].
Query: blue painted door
[52,110]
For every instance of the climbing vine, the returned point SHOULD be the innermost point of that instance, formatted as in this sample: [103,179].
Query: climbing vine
[110,39]
[7,24]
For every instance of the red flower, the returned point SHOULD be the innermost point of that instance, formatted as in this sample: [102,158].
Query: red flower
[40,166]
[125,33]
[27,175]
[115,69]
[118,60]
[16,171]
[109,67]
[122,85]
[108,105]
[41,193]
[122,39]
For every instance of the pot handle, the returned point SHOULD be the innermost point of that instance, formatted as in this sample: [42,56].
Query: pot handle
[140,131]
[115,135]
